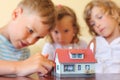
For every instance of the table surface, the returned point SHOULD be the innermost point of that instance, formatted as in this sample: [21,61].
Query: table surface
[50,77]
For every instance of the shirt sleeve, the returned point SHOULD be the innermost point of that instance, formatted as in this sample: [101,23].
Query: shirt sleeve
[48,49]
[25,53]
[83,44]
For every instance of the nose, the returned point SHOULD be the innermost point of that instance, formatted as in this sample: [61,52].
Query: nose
[61,37]
[31,40]
[97,24]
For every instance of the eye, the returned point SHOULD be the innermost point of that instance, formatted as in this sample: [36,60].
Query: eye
[92,24]
[56,32]
[39,37]
[30,31]
[66,30]
[99,16]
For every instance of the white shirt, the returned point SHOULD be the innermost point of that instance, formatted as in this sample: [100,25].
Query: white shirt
[107,55]
[50,48]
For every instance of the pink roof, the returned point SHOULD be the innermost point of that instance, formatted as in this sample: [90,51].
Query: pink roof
[64,57]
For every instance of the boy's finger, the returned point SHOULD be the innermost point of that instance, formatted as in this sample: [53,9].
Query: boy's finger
[46,55]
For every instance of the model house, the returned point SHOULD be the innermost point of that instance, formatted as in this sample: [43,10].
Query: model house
[74,63]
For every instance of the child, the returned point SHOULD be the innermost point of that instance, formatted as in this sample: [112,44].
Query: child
[31,20]
[66,32]
[103,20]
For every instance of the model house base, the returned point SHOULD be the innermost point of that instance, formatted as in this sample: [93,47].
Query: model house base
[73,75]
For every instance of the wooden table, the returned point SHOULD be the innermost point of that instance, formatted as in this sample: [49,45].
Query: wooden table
[36,77]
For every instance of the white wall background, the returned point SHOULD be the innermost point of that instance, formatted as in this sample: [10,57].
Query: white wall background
[7,6]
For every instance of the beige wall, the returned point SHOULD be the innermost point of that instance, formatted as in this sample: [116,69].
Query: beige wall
[7,6]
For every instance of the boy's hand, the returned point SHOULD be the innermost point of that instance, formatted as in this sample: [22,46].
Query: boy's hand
[46,56]
[36,63]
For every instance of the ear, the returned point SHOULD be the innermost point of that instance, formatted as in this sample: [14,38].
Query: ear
[17,12]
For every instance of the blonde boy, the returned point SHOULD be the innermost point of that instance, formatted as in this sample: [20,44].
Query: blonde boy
[30,21]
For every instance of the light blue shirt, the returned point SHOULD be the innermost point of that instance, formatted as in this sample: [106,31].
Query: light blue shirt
[9,52]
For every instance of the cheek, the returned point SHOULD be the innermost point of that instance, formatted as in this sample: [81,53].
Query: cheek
[70,38]
[22,34]
[14,34]
[55,36]
[96,30]
[70,34]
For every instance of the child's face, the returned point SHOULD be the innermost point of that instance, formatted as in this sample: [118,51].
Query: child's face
[103,23]
[27,29]
[63,32]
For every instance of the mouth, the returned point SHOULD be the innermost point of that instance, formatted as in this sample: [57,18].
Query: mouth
[101,30]
[62,42]
[23,44]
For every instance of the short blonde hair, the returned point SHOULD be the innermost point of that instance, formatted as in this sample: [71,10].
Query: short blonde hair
[43,8]
[107,6]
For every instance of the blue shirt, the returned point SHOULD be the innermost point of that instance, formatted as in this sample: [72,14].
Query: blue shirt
[9,52]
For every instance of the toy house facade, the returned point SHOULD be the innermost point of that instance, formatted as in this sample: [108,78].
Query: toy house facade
[74,63]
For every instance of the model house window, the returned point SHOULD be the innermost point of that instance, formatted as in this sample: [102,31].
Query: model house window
[87,67]
[76,56]
[57,67]
[69,68]
[80,56]
[79,67]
